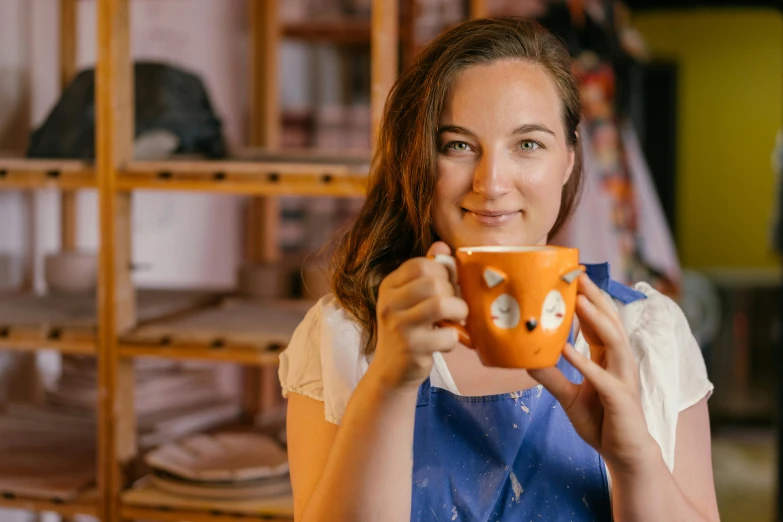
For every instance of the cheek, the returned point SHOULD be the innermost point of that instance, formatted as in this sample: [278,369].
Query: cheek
[543,188]
[453,182]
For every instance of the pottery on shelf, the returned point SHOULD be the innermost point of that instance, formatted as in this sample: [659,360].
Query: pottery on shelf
[71,272]
[271,487]
[221,457]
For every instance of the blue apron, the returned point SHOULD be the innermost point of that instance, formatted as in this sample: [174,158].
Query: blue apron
[508,457]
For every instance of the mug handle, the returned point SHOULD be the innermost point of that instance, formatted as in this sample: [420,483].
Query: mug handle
[451,265]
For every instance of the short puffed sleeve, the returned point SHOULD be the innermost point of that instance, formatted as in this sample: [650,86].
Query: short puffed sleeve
[324,359]
[671,365]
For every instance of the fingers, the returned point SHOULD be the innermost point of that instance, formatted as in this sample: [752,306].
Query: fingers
[590,290]
[439,247]
[603,330]
[436,309]
[415,268]
[415,292]
[602,380]
[557,384]
[439,339]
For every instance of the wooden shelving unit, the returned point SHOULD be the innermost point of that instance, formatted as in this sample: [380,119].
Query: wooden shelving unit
[255,336]
[122,330]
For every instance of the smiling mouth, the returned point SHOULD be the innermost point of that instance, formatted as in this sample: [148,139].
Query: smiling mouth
[490,213]
[491,218]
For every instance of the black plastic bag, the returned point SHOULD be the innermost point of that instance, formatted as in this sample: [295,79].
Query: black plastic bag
[167,98]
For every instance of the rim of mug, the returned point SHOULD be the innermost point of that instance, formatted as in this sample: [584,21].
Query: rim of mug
[508,248]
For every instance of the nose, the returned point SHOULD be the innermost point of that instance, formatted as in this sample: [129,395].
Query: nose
[490,179]
[531,325]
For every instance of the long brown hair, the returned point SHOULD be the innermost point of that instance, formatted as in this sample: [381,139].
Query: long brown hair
[395,223]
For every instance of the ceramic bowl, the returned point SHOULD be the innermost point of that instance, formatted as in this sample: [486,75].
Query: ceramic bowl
[71,272]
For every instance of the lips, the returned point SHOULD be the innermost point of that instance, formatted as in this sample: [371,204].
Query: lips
[492,217]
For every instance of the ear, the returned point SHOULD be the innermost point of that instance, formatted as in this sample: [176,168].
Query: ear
[571,276]
[493,277]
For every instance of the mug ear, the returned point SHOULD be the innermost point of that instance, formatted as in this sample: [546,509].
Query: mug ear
[493,277]
[570,276]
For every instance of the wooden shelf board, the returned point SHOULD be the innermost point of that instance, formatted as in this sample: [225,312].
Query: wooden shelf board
[68,324]
[145,502]
[271,176]
[75,341]
[24,173]
[238,330]
[337,30]
[86,504]
[248,356]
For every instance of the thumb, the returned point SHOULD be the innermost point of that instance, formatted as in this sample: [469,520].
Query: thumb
[439,247]
[557,384]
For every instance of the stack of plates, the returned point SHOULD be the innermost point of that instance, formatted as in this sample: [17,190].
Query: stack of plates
[171,399]
[223,466]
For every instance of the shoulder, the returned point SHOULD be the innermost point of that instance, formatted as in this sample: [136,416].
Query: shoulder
[324,358]
[655,318]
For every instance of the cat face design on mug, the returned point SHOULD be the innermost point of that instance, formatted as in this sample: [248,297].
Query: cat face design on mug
[505,310]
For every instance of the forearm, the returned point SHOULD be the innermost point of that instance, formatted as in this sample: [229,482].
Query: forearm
[368,474]
[650,493]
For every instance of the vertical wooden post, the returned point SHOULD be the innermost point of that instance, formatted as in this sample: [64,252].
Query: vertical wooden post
[264,88]
[264,120]
[116,304]
[385,60]
[479,9]
[68,32]
[263,223]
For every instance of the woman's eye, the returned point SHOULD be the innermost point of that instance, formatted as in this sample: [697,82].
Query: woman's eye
[529,145]
[505,310]
[551,309]
[458,146]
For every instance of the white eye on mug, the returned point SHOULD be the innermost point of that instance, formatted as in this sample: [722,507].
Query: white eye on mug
[505,312]
[553,311]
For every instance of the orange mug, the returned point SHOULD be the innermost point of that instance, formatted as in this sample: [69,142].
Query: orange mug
[521,302]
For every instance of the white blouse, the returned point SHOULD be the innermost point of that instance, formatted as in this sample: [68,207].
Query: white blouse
[324,361]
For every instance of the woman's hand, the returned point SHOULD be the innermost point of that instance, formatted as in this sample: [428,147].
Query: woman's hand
[605,409]
[410,301]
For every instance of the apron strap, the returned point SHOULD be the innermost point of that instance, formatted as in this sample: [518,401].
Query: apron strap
[423,398]
[599,274]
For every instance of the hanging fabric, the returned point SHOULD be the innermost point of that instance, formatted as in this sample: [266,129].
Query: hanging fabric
[619,217]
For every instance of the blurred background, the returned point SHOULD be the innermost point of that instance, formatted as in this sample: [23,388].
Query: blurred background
[684,131]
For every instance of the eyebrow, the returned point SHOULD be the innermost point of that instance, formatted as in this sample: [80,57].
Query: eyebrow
[533,127]
[522,129]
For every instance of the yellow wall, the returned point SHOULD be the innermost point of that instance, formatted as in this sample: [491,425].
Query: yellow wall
[730,109]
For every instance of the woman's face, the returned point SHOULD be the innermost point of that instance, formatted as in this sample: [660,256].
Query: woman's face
[502,157]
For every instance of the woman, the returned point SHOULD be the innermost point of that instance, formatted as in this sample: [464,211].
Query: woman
[479,146]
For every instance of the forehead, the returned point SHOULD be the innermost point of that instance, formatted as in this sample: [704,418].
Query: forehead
[503,95]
